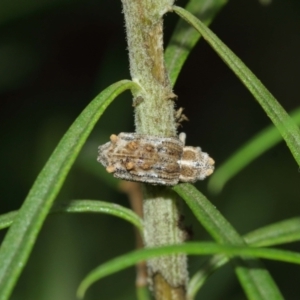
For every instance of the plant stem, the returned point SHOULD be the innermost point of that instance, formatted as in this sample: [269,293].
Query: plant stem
[154,111]
[168,275]
[154,115]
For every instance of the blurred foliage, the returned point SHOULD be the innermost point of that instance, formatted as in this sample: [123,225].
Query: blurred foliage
[55,56]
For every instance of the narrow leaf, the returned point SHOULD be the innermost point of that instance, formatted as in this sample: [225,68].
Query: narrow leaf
[286,126]
[283,232]
[7,219]
[96,206]
[184,37]
[256,281]
[194,248]
[22,234]
[207,269]
[208,215]
[275,234]
[255,147]
[84,206]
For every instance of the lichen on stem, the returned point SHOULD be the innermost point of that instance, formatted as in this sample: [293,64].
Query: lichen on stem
[154,115]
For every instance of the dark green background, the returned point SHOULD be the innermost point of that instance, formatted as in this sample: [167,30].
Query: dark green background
[56,55]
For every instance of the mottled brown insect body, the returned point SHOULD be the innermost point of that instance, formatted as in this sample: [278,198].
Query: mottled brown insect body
[155,160]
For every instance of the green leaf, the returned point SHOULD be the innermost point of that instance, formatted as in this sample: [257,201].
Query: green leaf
[278,233]
[194,248]
[22,234]
[85,206]
[256,281]
[286,126]
[96,206]
[207,214]
[282,232]
[207,269]
[255,147]
[184,37]
[7,219]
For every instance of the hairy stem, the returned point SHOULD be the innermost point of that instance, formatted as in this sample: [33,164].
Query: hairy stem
[154,115]
[154,108]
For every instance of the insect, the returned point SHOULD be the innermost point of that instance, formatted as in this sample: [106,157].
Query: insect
[155,160]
